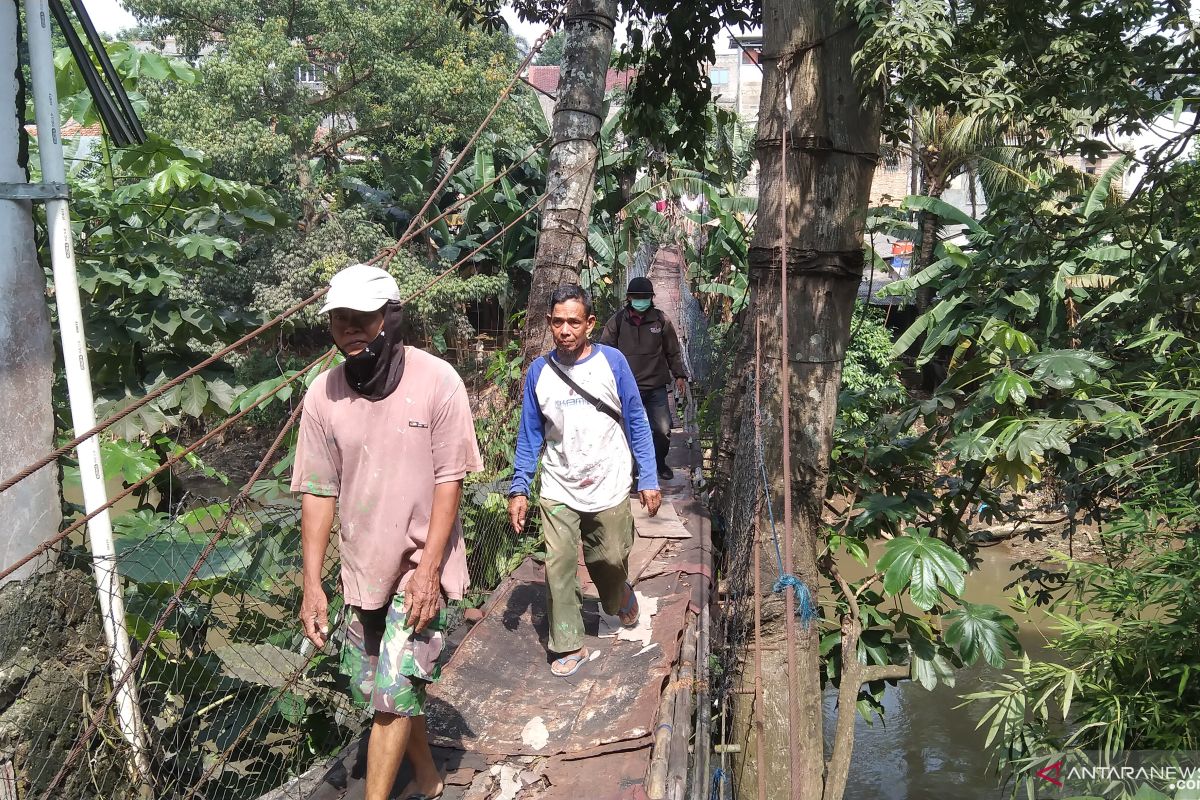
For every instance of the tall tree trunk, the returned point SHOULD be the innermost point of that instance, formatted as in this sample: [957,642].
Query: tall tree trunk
[31,509]
[927,227]
[570,180]
[815,208]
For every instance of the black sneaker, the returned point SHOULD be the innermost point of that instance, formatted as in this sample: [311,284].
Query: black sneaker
[666,473]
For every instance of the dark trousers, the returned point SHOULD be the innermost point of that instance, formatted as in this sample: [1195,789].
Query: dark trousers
[659,414]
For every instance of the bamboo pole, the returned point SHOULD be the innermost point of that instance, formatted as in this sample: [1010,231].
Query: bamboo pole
[677,759]
[656,776]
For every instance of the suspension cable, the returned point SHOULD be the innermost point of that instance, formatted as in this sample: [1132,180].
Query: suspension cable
[533,51]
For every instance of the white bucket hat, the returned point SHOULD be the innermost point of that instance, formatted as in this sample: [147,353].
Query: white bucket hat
[361,288]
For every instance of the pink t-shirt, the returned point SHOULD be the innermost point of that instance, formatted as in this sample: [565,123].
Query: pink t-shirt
[381,460]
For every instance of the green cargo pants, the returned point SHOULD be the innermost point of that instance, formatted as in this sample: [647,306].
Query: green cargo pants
[607,539]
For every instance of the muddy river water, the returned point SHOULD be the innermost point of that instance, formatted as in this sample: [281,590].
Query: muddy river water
[927,747]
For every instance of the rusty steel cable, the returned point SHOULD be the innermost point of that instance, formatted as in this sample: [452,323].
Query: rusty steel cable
[384,255]
[156,393]
[235,506]
[477,250]
[789,618]
[41,548]
[533,51]
[459,203]
[759,724]
[108,422]
[167,464]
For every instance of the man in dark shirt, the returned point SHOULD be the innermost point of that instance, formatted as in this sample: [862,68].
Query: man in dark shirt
[647,339]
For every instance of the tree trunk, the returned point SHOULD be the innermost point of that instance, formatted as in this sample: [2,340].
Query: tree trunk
[31,509]
[570,178]
[927,226]
[814,205]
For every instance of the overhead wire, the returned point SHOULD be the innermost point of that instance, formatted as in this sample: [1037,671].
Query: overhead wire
[237,502]
[159,391]
[516,79]
[234,507]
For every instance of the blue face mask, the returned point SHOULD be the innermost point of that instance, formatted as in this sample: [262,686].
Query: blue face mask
[641,305]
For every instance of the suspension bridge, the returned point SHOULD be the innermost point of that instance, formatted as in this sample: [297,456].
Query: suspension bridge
[170,663]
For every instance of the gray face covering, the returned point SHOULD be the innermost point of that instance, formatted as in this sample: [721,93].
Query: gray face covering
[376,371]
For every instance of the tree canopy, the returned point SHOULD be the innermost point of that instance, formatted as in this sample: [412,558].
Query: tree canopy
[290,90]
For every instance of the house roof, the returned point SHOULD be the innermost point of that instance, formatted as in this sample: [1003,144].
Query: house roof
[70,130]
[545,79]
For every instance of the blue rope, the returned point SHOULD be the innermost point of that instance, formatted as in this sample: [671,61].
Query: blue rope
[718,776]
[806,609]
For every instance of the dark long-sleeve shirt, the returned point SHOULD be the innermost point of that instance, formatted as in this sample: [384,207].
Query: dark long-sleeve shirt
[649,344]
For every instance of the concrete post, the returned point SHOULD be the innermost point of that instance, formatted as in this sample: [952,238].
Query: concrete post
[30,511]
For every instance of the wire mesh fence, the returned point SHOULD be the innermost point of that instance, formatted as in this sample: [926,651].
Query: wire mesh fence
[232,698]
[229,701]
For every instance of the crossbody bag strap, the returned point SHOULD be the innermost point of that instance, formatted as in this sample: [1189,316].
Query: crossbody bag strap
[596,402]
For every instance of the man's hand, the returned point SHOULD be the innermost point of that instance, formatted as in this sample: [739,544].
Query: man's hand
[680,389]
[314,615]
[422,598]
[518,507]
[651,500]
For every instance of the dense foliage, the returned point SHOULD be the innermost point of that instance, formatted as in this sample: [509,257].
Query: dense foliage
[1064,321]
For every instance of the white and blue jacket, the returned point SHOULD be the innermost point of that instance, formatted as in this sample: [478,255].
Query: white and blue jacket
[586,464]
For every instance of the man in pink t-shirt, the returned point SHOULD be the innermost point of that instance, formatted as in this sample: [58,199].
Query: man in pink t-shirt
[386,439]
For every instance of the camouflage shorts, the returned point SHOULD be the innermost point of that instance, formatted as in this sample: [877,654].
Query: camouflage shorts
[389,665]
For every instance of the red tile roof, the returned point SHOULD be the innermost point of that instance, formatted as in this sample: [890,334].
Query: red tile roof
[70,130]
[545,79]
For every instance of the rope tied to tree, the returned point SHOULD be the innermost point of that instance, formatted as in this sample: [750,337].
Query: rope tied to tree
[806,608]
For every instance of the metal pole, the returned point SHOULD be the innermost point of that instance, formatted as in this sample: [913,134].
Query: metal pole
[79,382]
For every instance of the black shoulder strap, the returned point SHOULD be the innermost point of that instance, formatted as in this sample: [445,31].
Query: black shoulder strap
[597,403]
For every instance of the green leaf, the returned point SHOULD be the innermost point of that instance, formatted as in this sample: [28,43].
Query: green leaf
[197,318]
[167,554]
[1099,195]
[193,396]
[1116,298]
[973,444]
[1027,441]
[910,336]
[908,286]
[943,210]
[1008,385]
[1109,252]
[292,707]
[929,672]
[982,630]
[1066,369]
[1025,300]
[261,664]
[923,564]
[222,394]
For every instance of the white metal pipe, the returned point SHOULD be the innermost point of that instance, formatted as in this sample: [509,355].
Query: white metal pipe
[79,381]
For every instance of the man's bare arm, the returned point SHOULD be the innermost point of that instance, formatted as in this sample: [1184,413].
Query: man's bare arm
[422,595]
[316,523]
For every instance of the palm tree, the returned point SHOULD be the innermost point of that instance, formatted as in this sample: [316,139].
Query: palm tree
[949,144]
